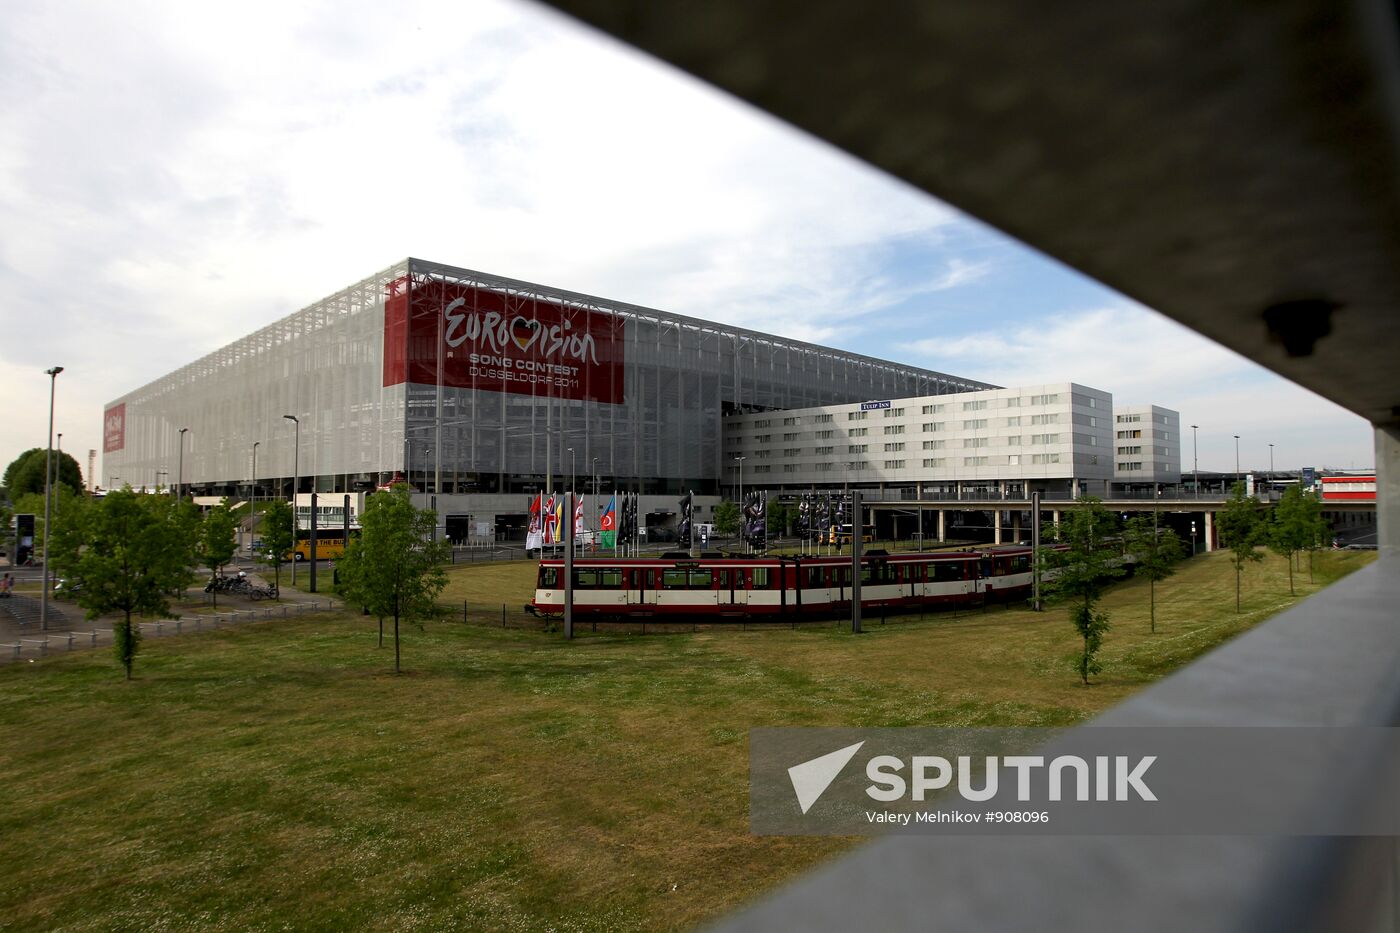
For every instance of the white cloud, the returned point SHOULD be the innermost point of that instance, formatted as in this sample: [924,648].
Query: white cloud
[1144,358]
[175,175]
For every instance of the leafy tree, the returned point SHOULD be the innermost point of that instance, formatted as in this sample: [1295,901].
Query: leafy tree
[1156,551]
[278,537]
[394,568]
[130,552]
[217,540]
[1319,531]
[1291,528]
[1241,528]
[1081,570]
[25,473]
[727,519]
[779,516]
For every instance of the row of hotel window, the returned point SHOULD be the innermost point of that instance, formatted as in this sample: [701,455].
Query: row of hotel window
[974,405]
[930,462]
[931,427]
[1134,419]
[1015,440]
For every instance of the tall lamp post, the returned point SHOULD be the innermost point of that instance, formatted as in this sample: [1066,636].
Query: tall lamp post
[1237,458]
[253,486]
[48,498]
[180,474]
[740,461]
[1271,457]
[296,481]
[57,469]
[597,498]
[1195,466]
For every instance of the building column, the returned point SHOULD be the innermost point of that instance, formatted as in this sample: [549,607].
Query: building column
[942,525]
[1210,530]
[1388,495]
[1055,520]
[1016,526]
[996,526]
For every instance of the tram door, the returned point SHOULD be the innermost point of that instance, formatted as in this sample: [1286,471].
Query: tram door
[639,587]
[739,586]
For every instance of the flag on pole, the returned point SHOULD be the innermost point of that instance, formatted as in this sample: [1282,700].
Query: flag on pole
[578,516]
[550,528]
[535,536]
[607,526]
[559,533]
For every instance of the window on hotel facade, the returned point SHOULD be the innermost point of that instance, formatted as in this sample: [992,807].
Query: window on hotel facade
[1052,399]
[974,424]
[857,448]
[855,416]
[934,445]
[1045,438]
[894,412]
[1045,419]
[1013,441]
[821,450]
[894,464]
[897,445]
[1014,422]
[821,419]
[975,441]
[858,432]
[1045,458]
[763,438]
[933,409]
[975,405]
[791,436]
[823,435]
[930,426]
[1130,465]
[1129,435]
[792,451]
[822,467]
[789,422]
[1129,451]
[974,461]
[933,461]
[763,422]
[894,429]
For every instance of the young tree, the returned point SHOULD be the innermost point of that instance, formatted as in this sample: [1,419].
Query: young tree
[218,540]
[1156,551]
[1081,571]
[1319,531]
[1240,529]
[1291,529]
[135,551]
[394,568]
[727,519]
[278,537]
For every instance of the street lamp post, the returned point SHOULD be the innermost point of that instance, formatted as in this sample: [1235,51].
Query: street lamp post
[180,475]
[1271,458]
[1195,467]
[296,481]
[1237,458]
[57,469]
[48,498]
[741,482]
[253,486]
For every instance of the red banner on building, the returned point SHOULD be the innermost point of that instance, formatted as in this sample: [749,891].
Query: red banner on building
[483,339]
[114,428]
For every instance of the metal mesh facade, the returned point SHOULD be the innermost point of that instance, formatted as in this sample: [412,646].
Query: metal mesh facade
[326,364]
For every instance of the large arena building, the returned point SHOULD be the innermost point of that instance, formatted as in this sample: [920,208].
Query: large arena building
[478,389]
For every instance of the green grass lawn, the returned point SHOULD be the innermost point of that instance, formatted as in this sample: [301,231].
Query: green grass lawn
[278,775]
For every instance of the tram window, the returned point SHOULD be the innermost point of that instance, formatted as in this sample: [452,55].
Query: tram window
[947,571]
[585,579]
[986,567]
[843,576]
[814,577]
[673,579]
[702,579]
[1021,563]
[761,578]
[867,574]
[549,578]
[610,579]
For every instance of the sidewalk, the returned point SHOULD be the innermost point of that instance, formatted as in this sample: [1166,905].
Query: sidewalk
[70,631]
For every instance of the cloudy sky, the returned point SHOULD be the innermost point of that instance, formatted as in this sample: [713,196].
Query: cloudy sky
[176,175]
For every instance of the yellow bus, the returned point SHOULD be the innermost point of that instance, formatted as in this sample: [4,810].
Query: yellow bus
[330,545]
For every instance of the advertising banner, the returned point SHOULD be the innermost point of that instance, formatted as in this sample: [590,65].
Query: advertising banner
[484,339]
[114,428]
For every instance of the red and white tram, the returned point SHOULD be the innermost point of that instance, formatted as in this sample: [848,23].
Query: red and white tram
[781,588]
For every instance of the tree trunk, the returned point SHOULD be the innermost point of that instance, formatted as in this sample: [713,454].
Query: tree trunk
[381,631]
[1152,602]
[126,655]
[1237,587]
[396,644]
[1290,578]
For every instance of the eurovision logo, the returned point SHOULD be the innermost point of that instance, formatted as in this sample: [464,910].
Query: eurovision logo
[498,333]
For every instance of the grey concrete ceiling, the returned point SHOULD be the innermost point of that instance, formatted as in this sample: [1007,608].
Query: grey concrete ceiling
[1232,165]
